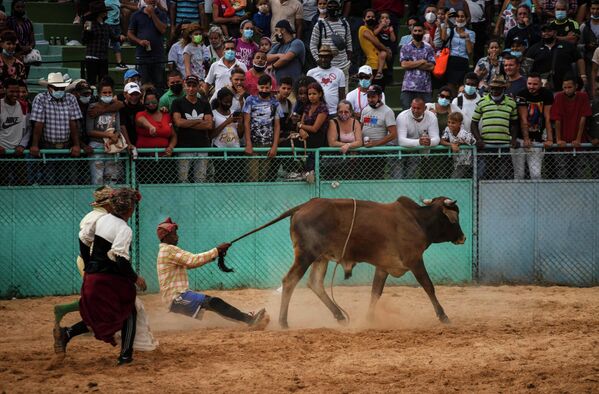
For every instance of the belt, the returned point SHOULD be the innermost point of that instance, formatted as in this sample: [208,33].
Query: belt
[56,145]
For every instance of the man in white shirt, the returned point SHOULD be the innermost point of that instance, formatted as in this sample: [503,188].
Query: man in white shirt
[416,127]
[330,78]
[357,97]
[466,101]
[14,133]
[219,74]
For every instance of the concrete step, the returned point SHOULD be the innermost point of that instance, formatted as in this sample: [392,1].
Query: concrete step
[46,12]
[77,53]
[61,30]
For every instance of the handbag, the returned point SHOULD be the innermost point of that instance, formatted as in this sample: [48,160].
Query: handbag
[115,147]
[338,41]
[441,63]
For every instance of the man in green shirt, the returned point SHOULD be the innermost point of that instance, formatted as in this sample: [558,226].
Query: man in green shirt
[175,91]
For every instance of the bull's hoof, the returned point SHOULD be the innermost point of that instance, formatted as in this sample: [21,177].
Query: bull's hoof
[444,319]
[343,321]
[283,325]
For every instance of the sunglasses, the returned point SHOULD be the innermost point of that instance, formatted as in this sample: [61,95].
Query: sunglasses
[444,96]
[151,102]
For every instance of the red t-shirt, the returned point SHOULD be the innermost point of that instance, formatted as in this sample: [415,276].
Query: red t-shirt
[569,112]
[395,6]
[251,84]
[164,130]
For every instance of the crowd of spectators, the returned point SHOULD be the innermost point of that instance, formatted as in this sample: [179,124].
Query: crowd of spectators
[268,73]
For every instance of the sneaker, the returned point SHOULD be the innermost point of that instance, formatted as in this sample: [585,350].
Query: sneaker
[310,176]
[296,176]
[60,339]
[260,320]
[77,20]
[121,67]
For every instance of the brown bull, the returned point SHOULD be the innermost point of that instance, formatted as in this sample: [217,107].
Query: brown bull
[392,237]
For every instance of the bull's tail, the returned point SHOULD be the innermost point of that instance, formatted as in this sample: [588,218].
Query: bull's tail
[282,216]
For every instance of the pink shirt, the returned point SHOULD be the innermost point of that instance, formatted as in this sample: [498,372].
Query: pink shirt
[245,51]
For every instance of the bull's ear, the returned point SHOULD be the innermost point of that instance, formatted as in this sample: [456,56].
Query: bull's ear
[427,201]
[451,215]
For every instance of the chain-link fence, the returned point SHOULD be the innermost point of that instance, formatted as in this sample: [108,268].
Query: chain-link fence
[528,217]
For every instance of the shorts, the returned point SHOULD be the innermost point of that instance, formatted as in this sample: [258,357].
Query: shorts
[190,303]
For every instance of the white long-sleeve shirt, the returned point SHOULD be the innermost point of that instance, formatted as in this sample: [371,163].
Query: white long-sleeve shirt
[409,130]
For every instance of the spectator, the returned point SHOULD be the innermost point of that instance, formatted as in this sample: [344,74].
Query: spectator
[516,82]
[590,41]
[418,59]
[553,59]
[534,108]
[301,94]
[282,96]
[219,74]
[481,16]
[146,29]
[499,115]
[404,40]
[227,20]
[416,127]
[376,53]
[594,126]
[154,128]
[344,131]
[566,29]
[321,15]
[132,75]
[132,106]
[333,31]
[290,11]
[228,126]
[525,29]
[461,41]
[216,49]
[430,26]
[245,46]
[357,97]
[490,66]
[262,116]
[378,121]
[186,10]
[466,101]
[313,125]
[386,35]
[507,19]
[174,82]
[262,18]
[175,53]
[255,72]
[81,90]
[453,136]
[10,66]
[23,28]
[113,21]
[265,44]
[195,54]
[14,134]
[330,78]
[288,55]
[457,5]
[237,86]
[193,118]
[570,111]
[128,7]
[442,108]
[105,170]
[518,50]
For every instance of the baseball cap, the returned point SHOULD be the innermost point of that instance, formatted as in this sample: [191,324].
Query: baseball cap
[365,69]
[83,87]
[131,73]
[284,24]
[374,89]
[132,87]
[192,78]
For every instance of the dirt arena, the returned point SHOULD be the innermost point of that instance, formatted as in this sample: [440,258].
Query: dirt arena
[501,339]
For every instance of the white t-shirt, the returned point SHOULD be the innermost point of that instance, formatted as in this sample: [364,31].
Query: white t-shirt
[375,122]
[13,126]
[467,109]
[219,74]
[228,137]
[409,130]
[331,80]
[358,99]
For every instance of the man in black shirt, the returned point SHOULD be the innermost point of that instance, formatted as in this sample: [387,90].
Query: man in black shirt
[193,118]
[525,30]
[534,109]
[132,106]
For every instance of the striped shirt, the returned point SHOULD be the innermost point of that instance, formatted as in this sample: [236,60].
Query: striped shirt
[322,34]
[172,265]
[494,119]
[187,10]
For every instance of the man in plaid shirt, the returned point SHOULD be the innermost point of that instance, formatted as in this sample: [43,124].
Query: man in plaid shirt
[172,265]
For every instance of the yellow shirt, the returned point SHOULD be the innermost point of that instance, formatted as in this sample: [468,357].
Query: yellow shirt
[372,54]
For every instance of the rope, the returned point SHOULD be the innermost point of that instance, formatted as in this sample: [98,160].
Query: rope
[351,228]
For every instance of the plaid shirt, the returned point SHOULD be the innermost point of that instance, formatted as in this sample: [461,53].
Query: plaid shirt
[97,40]
[172,265]
[549,5]
[55,115]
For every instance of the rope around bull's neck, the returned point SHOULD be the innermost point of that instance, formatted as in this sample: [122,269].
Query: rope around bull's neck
[351,229]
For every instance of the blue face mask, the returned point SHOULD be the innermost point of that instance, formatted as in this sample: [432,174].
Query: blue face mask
[516,53]
[248,34]
[229,55]
[106,99]
[470,90]
[443,102]
[85,99]
[8,54]
[365,83]
[594,17]
[58,94]
[560,15]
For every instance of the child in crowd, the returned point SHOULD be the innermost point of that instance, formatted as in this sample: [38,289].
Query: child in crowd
[386,35]
[114,22]
[262,18]
[454,136]
[286,105]
[195,54]
[245,47]
[322,12]
[265,44]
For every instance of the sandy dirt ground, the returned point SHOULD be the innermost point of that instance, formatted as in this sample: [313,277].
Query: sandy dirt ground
[501,339]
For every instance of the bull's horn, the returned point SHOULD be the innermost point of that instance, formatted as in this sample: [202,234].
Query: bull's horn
[449,202]
[427,201]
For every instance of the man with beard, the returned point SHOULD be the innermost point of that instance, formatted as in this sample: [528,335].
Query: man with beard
[330,78]
[418,59]
[132,106]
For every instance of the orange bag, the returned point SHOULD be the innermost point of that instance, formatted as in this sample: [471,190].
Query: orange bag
[441,63]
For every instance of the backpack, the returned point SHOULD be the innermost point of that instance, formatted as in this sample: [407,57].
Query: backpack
[460,102]
[338,41]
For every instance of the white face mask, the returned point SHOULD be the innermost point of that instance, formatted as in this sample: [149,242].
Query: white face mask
[430,17]
[460,24]
[106,99]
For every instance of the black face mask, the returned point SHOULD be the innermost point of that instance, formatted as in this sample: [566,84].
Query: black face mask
[177,88]
[371,22]
[259,68]
[151,110]
[375,105]
[332,12]
[417,37]
[18,13]
[264,95]
[549,40]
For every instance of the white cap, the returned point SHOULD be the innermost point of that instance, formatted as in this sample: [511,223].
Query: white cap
[365,70]
[132,87]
